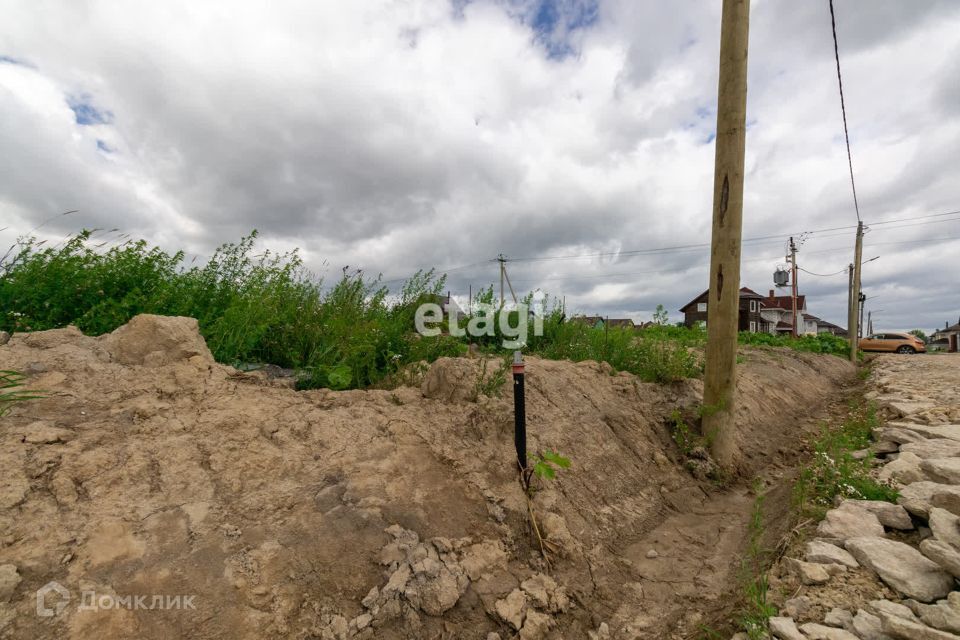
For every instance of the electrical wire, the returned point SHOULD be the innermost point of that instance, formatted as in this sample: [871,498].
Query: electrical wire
[843,109]
[823,275]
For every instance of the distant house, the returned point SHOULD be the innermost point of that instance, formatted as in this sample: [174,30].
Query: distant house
[599,322]
[590,321]
[828,327]
[778,312]
[950,335]
[750,305]
[620,323]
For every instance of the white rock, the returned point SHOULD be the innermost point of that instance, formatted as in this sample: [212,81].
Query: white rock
[945,470]
[849,521]
[784,628]
[838,617]
[943,554]
[890,515]
[821,632]
[868,627]
[917,496]
[904,470]
[945,526]
[943,615]
[826,553]
[810,573]
[902,567]
[948,431]
[932,448]
[892,608]
[911,630]
[896,434]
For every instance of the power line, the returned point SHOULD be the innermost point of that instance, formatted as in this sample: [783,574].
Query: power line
[843,109]
[823,275]
[934,215]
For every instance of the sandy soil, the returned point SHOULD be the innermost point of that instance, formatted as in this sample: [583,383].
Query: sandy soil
[152,470]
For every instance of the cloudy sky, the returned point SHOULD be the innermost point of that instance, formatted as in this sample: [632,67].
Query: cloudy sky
[392,135]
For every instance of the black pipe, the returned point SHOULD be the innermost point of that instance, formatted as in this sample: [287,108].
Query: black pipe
[519,411]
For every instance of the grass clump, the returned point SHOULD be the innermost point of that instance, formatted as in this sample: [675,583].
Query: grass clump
[661,354]
[835,472]
[753,575]
[820,343]
[251,307]
[263,307]
[11,392]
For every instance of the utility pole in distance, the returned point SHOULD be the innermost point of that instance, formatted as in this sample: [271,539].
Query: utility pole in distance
[854,330]
[502,262]
[793,281]
[723,304]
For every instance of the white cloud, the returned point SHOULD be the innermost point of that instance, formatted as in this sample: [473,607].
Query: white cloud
[398,134]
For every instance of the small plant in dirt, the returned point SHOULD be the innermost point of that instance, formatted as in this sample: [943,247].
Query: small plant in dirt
[680,432]
[834,471]
[543,466]
[756,607]
[11,391]
[490,381]
[546,464]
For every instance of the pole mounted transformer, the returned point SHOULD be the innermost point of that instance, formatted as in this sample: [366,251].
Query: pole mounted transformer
[781,277]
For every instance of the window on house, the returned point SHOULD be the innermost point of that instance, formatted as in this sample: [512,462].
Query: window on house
[701,307]
[753,306]
[753,326]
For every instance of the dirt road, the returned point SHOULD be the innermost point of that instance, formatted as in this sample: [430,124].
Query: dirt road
[151,471]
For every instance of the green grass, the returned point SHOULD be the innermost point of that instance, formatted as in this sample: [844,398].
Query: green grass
[834,471]
[756,607]
[661,354]
[251,307]
[11,392]
[256,306]
[820,343]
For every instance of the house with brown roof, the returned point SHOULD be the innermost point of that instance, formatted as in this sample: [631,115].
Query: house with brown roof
[599,322]
[750,319]
[949,336]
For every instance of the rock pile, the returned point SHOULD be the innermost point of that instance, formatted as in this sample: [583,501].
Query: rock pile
[913,547]
[431,576]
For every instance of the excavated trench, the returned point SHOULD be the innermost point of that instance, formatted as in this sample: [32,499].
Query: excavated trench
[149,469]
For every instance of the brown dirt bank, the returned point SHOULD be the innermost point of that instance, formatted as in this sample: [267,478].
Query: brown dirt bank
[151,469]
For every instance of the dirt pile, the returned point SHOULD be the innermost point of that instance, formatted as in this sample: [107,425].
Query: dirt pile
[150,470]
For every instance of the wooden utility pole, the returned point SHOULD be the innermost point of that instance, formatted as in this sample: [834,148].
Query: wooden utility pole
[854,329]
[793,284]
[723,304]
[502,262]
[850,313]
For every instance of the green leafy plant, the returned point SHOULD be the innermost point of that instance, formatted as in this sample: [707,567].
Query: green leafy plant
[490,383]
[545,465]
[680,432]
[11,392]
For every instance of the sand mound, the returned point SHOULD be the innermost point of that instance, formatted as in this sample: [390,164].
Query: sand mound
[152,470]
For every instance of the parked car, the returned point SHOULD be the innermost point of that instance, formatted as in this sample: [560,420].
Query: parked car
[893,342]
